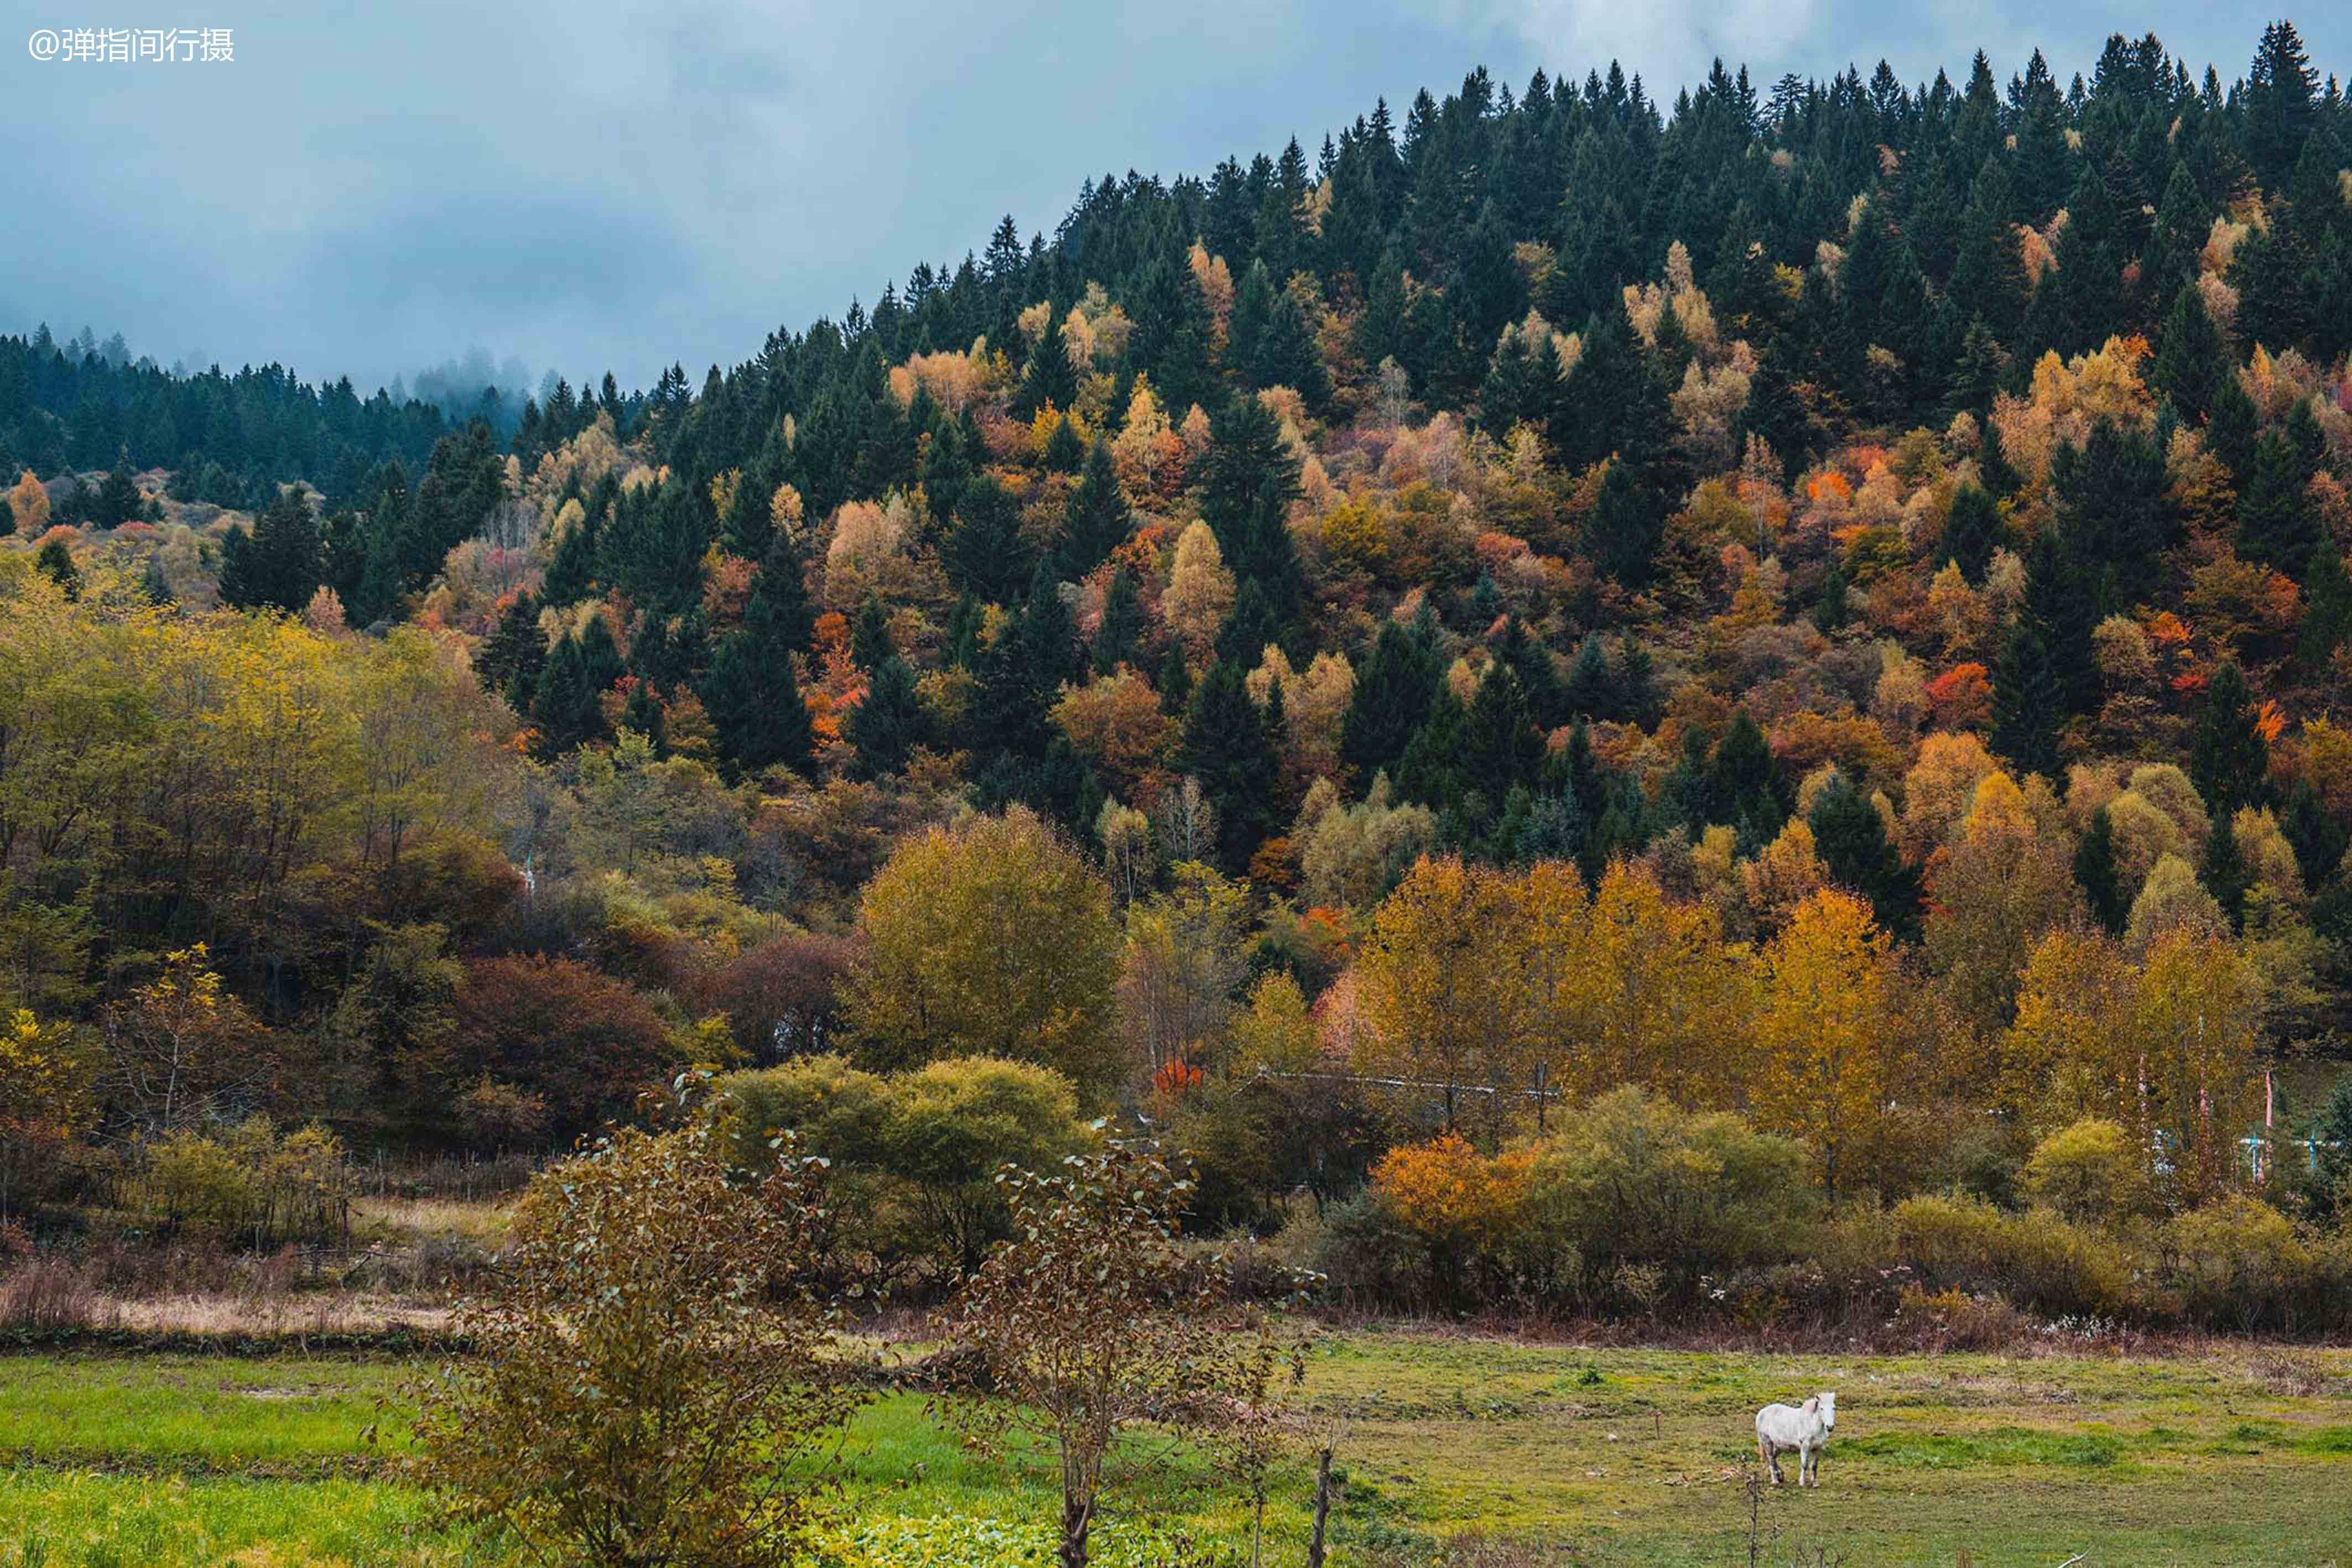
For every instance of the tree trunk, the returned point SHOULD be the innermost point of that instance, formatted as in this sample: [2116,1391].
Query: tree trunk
[1322,1502]
[1077,1522]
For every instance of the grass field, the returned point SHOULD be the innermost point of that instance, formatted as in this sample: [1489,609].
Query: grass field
[2236,1455]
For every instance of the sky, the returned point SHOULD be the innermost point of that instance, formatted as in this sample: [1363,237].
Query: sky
[620,184]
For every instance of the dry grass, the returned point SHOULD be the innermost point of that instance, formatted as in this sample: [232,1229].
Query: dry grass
[48,1296]
[410,1219]
[321,1313]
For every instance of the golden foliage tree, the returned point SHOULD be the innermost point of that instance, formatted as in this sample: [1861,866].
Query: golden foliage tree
[994,937]
[1436,984]
[1827,1032]
[29,503]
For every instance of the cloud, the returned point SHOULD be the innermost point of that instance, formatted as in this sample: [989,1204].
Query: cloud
[1666,42]
[619,183]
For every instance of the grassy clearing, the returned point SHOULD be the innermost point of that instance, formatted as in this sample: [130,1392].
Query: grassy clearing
[2233,1455]
[436,1218]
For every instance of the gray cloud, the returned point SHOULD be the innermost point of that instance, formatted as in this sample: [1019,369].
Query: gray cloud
[624,182]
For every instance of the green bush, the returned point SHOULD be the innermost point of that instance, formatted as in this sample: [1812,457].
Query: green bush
[915,1154]
[954,1122]
[1633,1181]
[2239,1263]
[2089,1172]
[248,1181]
[2035,1258]
[1371,1260]
[837,1111]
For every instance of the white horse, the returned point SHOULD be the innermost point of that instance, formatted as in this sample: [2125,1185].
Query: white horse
[1803,1429]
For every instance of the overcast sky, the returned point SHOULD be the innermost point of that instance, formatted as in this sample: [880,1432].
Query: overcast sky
[611,184]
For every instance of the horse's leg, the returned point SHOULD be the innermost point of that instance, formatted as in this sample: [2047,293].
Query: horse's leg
[1804,1464]
[1771,1458]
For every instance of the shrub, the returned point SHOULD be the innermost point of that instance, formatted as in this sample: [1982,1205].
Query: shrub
[1632,1180]
[581,1040]
[1467,1208]
[250,1182]
[953,1124]
[833,1109]
[1371,1259]
[45,1297]
[655,1378]
[2088,1172]
[2239,1263]
[1091,1321]
[917,1153]
[783,999]
[1954,1319]
[2035,1258]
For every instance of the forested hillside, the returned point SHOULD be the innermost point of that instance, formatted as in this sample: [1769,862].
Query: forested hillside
[1825,601]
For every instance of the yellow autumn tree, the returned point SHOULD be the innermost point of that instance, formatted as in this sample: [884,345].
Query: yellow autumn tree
[2165,1048]
[993,937]
[1997,887]
[2075,1052]
[1826,1032]
[1557,987]
[2200,1021]
[30,505]
[1662,998]
[1200,589]
[1435,984]
[1146,447]
[46,1079]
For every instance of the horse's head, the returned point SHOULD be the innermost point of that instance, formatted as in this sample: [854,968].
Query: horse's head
[1829,1411]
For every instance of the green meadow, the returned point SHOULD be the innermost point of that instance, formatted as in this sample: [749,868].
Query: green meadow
[1453,1448]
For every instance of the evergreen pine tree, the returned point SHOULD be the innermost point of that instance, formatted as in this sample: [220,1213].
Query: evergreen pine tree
[1119,640]
[2319,840]
[1627,527]
[1853,846]
[1249,481]
[2192,359]
[778,614]
[987,557]
[642,712]
[278,568]
[56,562]
[2096,873]
[2225,873]
[870,646]
[1501,748]
[572,573]
[1175,681]
[1971,532]
[117,501]
[888,725]
[2028,705]
[1391,701]
[2276,524]
[1226,746]
[753,698]
[1592,690]
[514,648]
[1829,615]
[2228,758]
[1048,378]
[1097,520]
[2326,606]
[1744,787]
